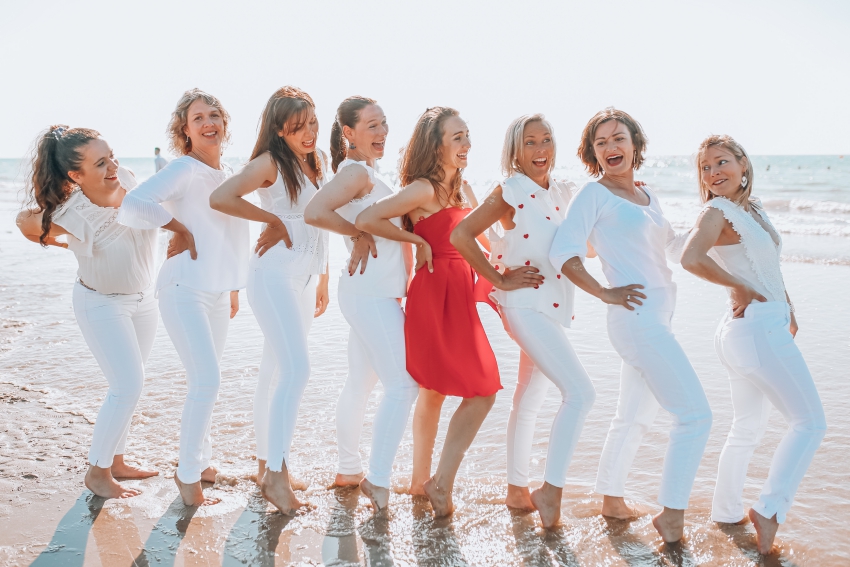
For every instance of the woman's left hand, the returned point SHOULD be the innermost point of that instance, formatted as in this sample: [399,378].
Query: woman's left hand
[322,296]
[234,303]
[793,328]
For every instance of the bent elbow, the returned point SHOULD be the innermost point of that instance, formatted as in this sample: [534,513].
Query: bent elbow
[311,216]
[457,237]
[690,262]
[216,201]
[362,222]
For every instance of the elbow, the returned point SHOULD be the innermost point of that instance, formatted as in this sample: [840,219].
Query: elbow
[217,201]
[311,215]
[691,262]
[362,222]
[457,237]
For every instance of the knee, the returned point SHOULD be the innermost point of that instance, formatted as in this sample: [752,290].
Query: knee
[205,388]
[814,424]
[580,398]
[486,401]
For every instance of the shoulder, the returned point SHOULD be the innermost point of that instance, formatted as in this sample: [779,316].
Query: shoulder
[356,170]
[592,191]
[420,186]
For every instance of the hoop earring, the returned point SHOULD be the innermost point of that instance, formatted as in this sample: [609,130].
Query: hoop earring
[187,139]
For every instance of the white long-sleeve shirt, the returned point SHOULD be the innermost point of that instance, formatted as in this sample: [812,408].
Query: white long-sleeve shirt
[182,191]
[633,241]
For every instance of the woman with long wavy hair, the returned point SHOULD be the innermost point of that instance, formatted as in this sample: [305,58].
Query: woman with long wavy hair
[77,187]
[448,353]
[288,280]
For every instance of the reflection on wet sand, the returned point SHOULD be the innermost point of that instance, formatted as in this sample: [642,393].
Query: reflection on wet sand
[743,539]
[116,536]
[255,535]
[536,546]
[339,546]
[434,539]
[67,547]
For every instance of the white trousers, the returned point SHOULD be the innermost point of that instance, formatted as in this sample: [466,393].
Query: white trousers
[197,323]
[119,330]
[284,306]
[655,371]
[765,367]
[546,355]
[376,350]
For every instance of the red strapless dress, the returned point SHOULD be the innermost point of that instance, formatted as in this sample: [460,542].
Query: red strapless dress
[447,349]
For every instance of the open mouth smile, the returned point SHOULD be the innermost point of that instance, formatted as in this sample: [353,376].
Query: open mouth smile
[614,161]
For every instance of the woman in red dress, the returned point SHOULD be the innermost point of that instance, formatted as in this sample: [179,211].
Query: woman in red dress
[448,353]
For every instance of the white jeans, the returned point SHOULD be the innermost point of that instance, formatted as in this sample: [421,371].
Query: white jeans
[197,323]
[283,305]
[376,350]
[119,330]
[765,366]
[655,371]
[546,355]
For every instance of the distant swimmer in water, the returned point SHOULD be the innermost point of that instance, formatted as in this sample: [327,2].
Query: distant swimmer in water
[78,186]
[735,245]
[159,161]
[768,167]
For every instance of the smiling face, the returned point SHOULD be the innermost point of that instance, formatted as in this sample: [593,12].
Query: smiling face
[204,127]
[721,173]
[613,147]
[98,168]
[301,132]
[369,135]
[454,150]
[537,153]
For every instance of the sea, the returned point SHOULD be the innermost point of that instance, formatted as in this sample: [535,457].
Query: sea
[41,349]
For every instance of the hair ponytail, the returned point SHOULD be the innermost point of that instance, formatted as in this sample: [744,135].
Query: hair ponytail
[347,114]
[56,153]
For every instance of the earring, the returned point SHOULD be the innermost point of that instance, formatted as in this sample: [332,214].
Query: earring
[743,181]
[351,146]
[634,159]
[187,139]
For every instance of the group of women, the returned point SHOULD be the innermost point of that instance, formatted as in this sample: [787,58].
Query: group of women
[521,250]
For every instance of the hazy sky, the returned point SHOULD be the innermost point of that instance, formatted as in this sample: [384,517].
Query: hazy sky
[774,74]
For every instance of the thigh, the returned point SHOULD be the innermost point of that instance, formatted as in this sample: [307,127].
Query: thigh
[277,302]
[146,321]
[361,375]
[186,315]
[378,323]
[107,327]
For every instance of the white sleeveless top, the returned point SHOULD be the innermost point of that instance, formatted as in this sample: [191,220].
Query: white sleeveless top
[538,213]
[756,258]
[309,252]
[385,276]
[112,258]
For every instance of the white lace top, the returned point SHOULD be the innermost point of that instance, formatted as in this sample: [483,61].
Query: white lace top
[756,258]
[385,276]
[182,190]
[112,258]
[309,252]
[537,214]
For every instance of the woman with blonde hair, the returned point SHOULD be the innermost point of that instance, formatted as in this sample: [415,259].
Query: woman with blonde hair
[371,286]
[735,245]
[288,281]
[206,266]
[521,215]
[448,353]
[77,186]
[626,226]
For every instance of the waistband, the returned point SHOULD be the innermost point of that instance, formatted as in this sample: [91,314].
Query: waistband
[761,309]
[658,299]
[139,293]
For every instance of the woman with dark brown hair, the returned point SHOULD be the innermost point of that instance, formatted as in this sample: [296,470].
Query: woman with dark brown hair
[624,223]
[207,264]
[77,187]
[448,353]
[288,280]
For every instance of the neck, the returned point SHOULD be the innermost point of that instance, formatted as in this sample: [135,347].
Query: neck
[624,181]
[212,157]
[542,180]
[104,197]
[357,155]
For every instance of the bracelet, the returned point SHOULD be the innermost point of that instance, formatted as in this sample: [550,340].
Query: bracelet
[790,307]
[359,235]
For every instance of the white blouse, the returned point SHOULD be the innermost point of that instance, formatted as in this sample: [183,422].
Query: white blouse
[182,190]
[112,258]
[537,213]
[309,252]
[633,241]
[386,275]
[756,258]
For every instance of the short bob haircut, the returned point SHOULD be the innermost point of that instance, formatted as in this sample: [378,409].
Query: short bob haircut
[178,140]
[729,144]
[513,147]
[585,149]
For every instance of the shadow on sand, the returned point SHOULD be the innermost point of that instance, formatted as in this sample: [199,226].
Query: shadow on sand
[434,540]
[164,540]
[67,547]
[254,537]
[745,541]
[537,546]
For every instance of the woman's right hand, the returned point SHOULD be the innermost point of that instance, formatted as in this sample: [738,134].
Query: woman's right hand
[423,256]
[180,242]
[741,297]
[526,276]
[625,296]
[364,247]
[271,235]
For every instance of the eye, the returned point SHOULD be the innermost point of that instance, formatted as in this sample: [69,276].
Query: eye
[547,140]
[723,162]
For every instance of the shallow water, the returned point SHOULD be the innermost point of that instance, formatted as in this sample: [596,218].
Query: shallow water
[41,347]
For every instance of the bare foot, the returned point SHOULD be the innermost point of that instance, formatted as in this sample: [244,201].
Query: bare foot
[670,524]
[120,469]
[379,495]
[765,531]
[261,470]
[209,474]
[192,494]
[276,489]
[547,500]
[616,507]
[441,499]
[519,498]
[100,481]
[343,480]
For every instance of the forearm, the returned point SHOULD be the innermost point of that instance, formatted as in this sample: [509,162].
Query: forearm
[386,229]
[466,244]
[576,273]
[706,268]
[239,207]
[333,222]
